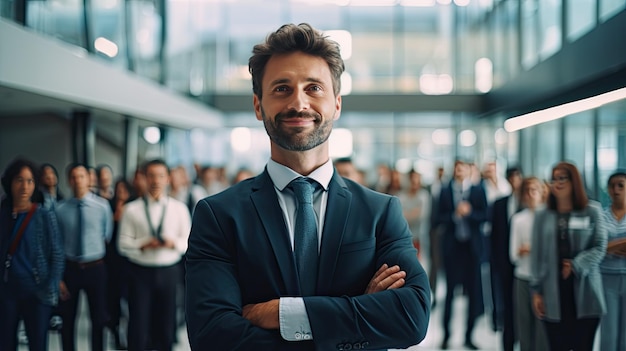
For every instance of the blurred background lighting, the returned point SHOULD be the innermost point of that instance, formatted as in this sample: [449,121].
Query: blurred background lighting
[344,39]
[346,84]
[442,137]
[467,138]
[340,143]
[152,135]
[241,139]
[483,71]
[106,47]
[501,136]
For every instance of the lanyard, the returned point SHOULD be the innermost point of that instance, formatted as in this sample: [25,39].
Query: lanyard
[16,240]
[155,232]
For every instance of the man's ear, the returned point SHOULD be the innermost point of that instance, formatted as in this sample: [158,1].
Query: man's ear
[337,107]
[256,101]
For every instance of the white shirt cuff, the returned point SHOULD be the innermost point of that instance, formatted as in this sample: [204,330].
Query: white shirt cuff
[293,319]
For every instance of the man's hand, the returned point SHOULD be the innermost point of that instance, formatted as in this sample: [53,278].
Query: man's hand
[386,278]
[64,293]
[152,244]
[538,306]
[155,243]
[523,250]
[463,209]
[263,315]
[567,269]
[168,244]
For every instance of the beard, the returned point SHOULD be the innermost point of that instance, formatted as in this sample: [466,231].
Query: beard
[297,139]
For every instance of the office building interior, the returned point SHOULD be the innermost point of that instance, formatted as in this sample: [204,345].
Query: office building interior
[516,82]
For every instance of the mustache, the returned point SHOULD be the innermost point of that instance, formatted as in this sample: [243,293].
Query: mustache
[296,114]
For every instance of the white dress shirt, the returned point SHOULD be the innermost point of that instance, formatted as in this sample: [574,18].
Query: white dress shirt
[293,319]
[521,234]
[135,232]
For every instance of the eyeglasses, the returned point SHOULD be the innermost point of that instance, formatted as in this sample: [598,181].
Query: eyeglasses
[559,180]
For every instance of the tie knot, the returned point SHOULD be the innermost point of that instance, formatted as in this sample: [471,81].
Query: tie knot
[303,189]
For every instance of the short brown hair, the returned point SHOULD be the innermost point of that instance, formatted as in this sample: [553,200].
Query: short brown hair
[291,38]
[579,195]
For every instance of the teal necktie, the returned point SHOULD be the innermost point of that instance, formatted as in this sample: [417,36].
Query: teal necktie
[305,236]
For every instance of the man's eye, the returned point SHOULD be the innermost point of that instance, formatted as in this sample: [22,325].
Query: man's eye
[281,89]
[316,88]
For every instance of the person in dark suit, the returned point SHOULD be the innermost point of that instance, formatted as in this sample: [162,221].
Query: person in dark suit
[462,210]
[250,284]
[501,267]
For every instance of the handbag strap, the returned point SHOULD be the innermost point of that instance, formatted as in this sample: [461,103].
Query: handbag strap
[20,231]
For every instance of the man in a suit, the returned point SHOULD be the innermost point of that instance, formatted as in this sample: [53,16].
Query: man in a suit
[501,267]
[462,210]
[250,283]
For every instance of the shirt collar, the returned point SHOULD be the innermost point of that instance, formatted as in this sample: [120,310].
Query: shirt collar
[162,200]
[282,175]
[85,198]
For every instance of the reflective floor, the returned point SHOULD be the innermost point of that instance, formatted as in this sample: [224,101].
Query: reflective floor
[484,337]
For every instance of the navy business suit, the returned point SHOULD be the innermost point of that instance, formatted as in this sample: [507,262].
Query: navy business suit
[502,269]
[240,253]
[461,260]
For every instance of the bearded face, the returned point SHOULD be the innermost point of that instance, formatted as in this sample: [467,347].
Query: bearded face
[297,138]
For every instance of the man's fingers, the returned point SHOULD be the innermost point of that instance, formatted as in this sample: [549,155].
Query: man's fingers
[397,284]
[386,278]
[391,281]
[384,273]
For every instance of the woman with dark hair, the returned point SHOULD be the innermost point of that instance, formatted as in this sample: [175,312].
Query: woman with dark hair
[49,185]
[569,242]
[32,253]
[613,267]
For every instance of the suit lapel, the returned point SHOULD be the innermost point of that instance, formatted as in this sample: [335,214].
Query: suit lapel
[266,203]
[337,209]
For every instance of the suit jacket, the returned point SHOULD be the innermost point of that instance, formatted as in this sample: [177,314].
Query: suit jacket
[240,253]
[588,240]
[501,238]
[478,201]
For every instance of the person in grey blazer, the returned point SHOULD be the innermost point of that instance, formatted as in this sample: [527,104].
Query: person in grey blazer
[569,242]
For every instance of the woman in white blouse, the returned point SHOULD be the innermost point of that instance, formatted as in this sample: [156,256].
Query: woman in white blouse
[529,329]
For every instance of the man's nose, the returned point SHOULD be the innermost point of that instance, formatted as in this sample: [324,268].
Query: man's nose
[299,101]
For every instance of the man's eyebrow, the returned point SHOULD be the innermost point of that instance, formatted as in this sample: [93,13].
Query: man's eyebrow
[280,81]
[287,80]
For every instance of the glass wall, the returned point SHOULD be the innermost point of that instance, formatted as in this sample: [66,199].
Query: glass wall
[439,47]
[609,8]
[595,141]
[611,150]
[201,48]
[581,18]
[580,145]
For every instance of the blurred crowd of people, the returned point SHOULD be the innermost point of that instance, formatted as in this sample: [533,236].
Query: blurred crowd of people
[547,262]
[120,242]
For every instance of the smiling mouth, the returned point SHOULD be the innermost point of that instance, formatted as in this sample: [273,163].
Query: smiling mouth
[298,120]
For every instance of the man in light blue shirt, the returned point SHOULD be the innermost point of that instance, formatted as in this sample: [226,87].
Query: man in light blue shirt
[86,223]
